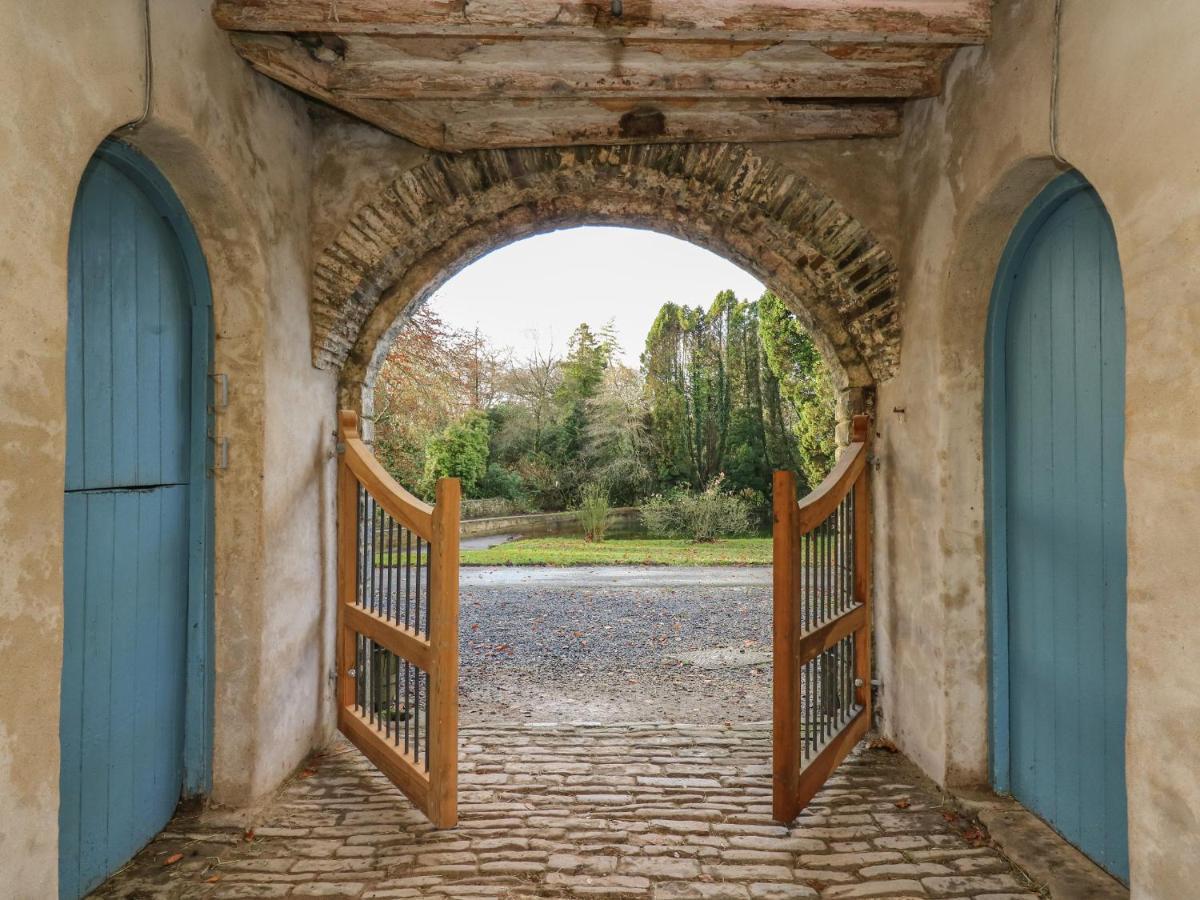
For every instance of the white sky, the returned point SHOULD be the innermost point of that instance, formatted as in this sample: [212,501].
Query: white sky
[535,292]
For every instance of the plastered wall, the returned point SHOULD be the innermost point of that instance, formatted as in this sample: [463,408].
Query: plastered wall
[237,150]
[240,153]
[1129,90]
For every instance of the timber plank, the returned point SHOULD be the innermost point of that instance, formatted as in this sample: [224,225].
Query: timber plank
[876,21]
[404,642]
[816,773]
[400,767]
[376,68]
[483,124]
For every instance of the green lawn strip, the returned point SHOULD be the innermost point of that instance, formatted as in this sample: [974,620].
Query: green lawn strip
[574,551]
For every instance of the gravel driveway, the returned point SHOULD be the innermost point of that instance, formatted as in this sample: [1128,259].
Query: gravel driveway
[616,645]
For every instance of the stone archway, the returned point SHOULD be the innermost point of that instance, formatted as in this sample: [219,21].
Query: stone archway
[439,216]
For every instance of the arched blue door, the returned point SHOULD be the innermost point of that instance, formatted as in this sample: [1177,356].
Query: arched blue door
[136,526]
[1057,522]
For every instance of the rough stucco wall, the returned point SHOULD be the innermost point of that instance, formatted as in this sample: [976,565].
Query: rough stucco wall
[236,148]
[973,159]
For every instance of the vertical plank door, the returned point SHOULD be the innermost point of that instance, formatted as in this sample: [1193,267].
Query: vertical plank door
[1063,464]
[126,533]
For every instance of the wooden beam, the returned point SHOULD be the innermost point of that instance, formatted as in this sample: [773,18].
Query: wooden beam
[402,641]
[459,125]
[897,21]
[376,68]
[482,124]
[273,57]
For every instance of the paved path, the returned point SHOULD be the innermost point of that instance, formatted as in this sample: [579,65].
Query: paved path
[654,812]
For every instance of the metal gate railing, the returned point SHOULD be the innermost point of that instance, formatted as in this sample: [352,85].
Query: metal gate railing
[397,645]
[822,608]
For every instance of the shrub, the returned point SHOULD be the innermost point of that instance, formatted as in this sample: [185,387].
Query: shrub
[593,512]
[503,483]
[458,451]
[702,517]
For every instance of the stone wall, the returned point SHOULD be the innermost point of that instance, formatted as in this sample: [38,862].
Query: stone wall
[422,222]
[237,150]
[622,520]
[973,159]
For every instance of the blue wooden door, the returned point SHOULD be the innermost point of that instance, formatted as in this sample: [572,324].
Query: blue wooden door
[1063,371]
[131,464]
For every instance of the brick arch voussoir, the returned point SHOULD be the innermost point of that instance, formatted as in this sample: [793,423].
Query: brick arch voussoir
[449,210]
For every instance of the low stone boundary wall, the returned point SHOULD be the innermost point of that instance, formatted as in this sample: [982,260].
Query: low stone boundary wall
[621,521]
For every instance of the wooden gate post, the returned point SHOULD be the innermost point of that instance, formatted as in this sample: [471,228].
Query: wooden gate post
[863,585]
[785,698]
[347,575]
[443,638]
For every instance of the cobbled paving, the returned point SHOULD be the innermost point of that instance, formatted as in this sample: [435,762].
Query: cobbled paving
[666,812]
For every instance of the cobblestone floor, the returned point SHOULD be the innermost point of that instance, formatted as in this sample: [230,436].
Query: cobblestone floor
[660,812]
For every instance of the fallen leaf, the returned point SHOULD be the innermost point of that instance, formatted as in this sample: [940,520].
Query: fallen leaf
[949,815]
[172,859]
[308,773]
[902,804]
[212,879]
[249,835]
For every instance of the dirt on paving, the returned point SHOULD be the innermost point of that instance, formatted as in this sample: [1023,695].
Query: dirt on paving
[695,650]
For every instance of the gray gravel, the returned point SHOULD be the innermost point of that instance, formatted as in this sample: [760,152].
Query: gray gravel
[571,645]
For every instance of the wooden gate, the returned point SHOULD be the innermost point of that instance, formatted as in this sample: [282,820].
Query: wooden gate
[822,646]
[397,645]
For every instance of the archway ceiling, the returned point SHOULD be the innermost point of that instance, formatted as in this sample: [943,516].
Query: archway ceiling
[477,74]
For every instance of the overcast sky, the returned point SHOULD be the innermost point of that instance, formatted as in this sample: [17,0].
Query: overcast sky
[535,292]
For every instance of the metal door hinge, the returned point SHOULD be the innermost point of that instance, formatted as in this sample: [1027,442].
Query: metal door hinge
[220,455]
[220,391]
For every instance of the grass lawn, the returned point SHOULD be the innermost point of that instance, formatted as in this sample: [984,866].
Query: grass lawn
[575,551]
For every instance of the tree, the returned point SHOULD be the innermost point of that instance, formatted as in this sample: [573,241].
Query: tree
[715,405]
[583,370]
[532,388]
[415,395]
[431,376]
[617,440]
[804,382]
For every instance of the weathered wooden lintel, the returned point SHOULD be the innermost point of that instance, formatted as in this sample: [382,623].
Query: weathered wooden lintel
[876,21]
[479,124]
[483,70]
